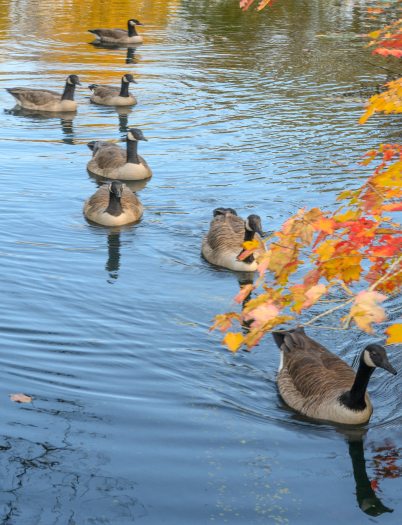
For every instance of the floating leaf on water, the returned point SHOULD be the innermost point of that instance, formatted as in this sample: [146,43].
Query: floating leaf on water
[20,398]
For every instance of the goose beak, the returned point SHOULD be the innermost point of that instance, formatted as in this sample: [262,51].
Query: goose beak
[139,24]
[386,365]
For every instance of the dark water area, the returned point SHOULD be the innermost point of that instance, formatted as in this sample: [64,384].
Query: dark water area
[139,414]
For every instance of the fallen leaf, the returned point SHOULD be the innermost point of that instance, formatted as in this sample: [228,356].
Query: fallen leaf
[20,398]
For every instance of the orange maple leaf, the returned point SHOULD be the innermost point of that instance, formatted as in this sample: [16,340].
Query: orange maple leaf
[244,293]
[394,334]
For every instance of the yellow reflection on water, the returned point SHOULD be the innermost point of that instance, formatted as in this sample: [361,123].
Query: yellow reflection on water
[57,31]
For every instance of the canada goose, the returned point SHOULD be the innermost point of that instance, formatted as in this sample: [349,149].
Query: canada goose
[318,384]
[112,162]
[46,100]
[119,36]
[113,205]
[112,96]
[224,241]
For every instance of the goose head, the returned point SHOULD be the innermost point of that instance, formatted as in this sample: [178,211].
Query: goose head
[116,188]
[134,22]
[135,134]
[73,80]
[375,356]
[253,224]
[223,211]
[128,78]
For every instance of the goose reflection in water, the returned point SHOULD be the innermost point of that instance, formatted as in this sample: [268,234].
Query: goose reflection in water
[366,497]
[123,113]
[131,49]
[113,262]
[34,115]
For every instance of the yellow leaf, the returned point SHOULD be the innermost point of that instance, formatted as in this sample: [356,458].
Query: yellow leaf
[389,101]
[350,215]
[374,34]
[233,340]
[325,225]
[394,334]
[352,272]
[326,249]
[251,245]
[224,321]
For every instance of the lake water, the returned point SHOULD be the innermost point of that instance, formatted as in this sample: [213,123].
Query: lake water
[139,414]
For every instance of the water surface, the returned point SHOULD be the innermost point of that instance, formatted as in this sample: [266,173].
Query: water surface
[139,415]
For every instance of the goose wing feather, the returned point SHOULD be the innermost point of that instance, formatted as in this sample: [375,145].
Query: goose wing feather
[110,156]
[109,33]
[226,232]
[105,91]
[312,369]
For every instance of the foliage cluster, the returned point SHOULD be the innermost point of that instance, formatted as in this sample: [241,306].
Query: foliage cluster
[350,259]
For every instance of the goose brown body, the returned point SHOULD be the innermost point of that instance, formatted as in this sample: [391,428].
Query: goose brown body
[119,36]
[110,96]
[113,162]
[224,242]
[110,161]
[46,99]
[317,383]
[96,207]
[113,96]
[312,379]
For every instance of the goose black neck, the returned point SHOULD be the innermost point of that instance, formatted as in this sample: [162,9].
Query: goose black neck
[124,89]
[132,30]
[132,155]
[355,398]
[68,93]
[248,236]
[114,207]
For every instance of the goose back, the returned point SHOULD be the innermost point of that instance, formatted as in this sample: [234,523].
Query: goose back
[311,380]
[224,242]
